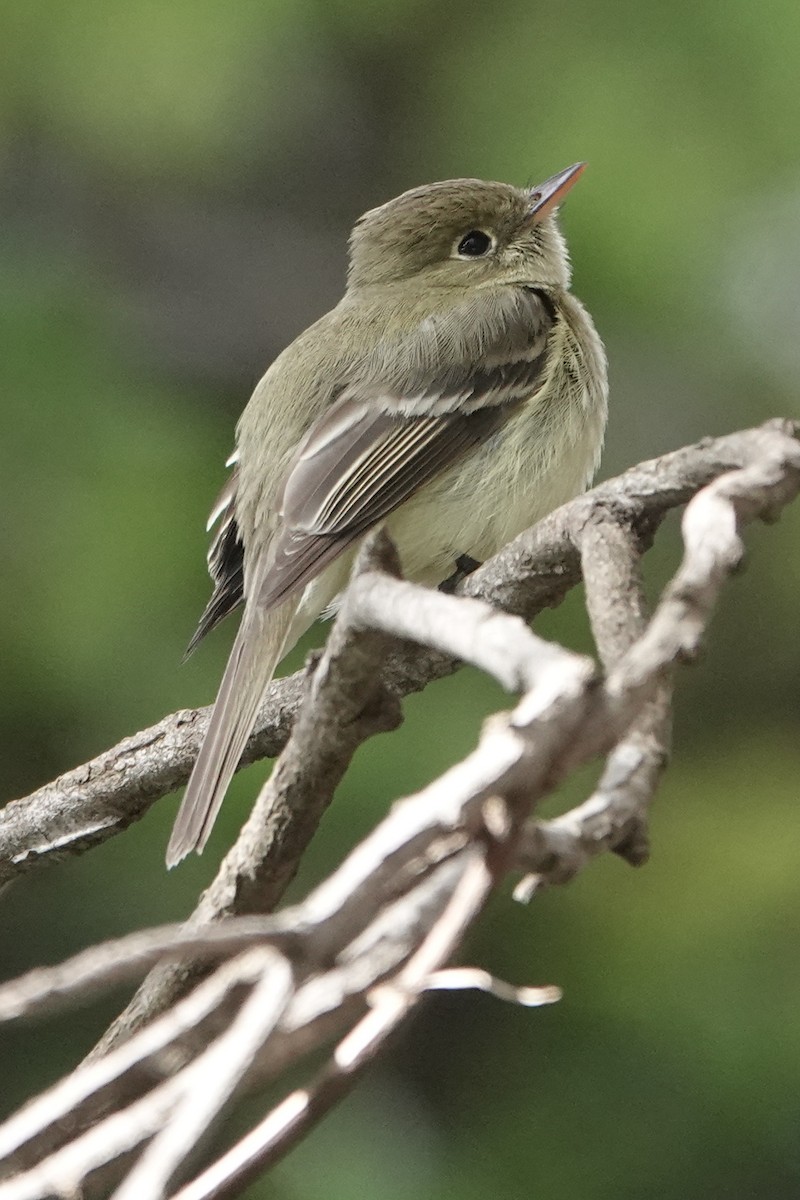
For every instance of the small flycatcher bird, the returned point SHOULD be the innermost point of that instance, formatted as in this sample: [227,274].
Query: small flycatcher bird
[457,392]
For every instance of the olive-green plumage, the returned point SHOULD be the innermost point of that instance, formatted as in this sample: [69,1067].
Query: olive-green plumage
[457,392]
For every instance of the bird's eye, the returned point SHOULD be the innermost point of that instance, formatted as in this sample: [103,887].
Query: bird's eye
[474,244]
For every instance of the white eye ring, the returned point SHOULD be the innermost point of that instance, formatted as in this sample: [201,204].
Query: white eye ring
[477,243]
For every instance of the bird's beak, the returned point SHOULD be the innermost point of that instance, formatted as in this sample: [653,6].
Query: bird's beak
[548,195]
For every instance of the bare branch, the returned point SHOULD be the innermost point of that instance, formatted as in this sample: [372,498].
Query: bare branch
[67,1097]
[615,817]
[352,960]
[129,957]
[93,802]
[291,1120]
[213,1078]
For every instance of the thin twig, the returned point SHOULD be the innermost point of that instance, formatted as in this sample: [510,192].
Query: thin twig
[216,1075]
[291,1120]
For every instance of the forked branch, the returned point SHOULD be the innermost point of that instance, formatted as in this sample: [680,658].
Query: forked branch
[230,1006]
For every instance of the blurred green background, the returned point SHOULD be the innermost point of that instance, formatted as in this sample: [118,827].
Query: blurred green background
[176,186]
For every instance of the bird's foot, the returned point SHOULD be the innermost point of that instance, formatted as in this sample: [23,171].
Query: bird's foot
[465,565]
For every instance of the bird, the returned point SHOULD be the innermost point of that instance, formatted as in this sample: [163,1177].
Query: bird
[456,394]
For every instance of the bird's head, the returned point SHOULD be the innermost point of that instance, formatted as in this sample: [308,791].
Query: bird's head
[465,233]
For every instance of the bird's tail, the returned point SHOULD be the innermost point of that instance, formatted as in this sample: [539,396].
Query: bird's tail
[257,650]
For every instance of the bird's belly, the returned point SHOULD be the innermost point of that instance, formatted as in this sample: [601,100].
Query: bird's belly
[539,460]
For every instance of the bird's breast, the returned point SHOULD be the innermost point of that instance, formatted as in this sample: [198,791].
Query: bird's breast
[544,455]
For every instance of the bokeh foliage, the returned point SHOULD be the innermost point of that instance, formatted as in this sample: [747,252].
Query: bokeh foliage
[176,187]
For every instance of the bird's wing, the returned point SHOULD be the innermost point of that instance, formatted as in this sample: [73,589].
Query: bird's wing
[378,445]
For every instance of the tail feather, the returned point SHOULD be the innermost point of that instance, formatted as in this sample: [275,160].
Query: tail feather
[257,650]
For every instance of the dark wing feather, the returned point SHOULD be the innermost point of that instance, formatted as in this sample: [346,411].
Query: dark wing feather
[225,564]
